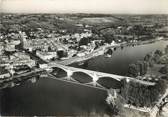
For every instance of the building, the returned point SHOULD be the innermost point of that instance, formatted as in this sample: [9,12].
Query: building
[4,73]
[15,42]
[19,58]
[30,63]
[4,60]
[43,66]
[38,44]
[21,69]
[23,40]
[10,47]
[46,55]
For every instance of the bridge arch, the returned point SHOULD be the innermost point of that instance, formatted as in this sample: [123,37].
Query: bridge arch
[109,82]
[59,72]
[82,77]
[115,48]
[109,51]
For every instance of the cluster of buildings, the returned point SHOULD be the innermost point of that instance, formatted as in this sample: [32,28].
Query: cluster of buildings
[14,61]
[11,64]
[11,59]
[20,58]
[40,33]
[53,48]
[4,73]
[73,38]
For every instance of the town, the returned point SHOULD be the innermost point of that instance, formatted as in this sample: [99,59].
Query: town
[61,44]
[42,42]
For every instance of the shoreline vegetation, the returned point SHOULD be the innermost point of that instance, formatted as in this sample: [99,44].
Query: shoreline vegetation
[140,97]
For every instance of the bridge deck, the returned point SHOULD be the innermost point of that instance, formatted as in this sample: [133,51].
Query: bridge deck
[99,74]
[70,81]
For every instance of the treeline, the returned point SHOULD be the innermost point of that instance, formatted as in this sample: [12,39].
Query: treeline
[140,67]
[153,57]
[164,69]
[28,23]
[142,95]
[137,69]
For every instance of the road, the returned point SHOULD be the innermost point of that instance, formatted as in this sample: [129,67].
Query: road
[95,53]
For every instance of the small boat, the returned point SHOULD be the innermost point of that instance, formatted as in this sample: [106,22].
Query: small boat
[160,38]
[81,63]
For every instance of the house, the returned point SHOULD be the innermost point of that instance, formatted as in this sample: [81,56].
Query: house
[20,58]
[10,47]
[46,55]
[21,69]
[4,73]
[1,48]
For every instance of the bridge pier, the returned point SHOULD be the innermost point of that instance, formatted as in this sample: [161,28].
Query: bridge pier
[94,79]
[12,84]
[127,80]
[112,95]
[33,80]
[69,74]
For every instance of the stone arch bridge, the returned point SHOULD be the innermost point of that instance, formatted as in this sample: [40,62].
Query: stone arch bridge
[94,75]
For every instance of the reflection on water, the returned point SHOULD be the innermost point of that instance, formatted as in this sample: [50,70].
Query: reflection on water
[121,58]
[52,97]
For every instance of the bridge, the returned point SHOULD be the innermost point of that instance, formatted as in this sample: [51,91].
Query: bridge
[94,75]
[95,80]
[97,76]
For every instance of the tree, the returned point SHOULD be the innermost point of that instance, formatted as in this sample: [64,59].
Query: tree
[151,63]
[142,67]
[164,70]
[133,70]
[84,41]
[62,53]
[166,49]
[142,95]
[139,68]
[108,38]
[148,57]
[156,58]
[158,52]
[137,30]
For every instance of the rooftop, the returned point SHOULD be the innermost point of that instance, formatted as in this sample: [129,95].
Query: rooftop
[3,70]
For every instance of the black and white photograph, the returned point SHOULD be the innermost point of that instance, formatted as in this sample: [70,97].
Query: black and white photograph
[84,58]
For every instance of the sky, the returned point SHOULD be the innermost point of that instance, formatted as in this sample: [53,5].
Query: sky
[85,6]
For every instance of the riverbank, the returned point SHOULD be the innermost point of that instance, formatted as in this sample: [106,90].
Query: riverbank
[157,69]
[101,50]
[51,97]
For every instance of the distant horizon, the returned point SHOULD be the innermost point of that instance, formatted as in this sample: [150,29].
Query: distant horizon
[25,13]
[85,6]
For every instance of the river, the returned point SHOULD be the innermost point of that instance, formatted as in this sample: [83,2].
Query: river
[52,97]
[121,58]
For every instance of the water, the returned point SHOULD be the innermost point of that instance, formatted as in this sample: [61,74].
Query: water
[52,97]
[121,58]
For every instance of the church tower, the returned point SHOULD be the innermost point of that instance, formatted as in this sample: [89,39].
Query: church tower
[24,43]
